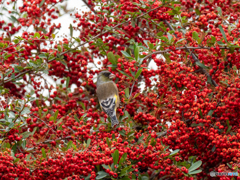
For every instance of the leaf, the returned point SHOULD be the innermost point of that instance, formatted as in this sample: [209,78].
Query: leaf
[140,138]
[219,11]
[108,142]
[125,178]
[195,35]
[42,56]
[112,58]
[195,172]
[213,148]
[60,120]
[71,30]
[26,134]
[200,112]
[126,54]
[122,132]
[197,11]
[124,171]
[126,92]
[195,166]
[174,152]
[201,65]
[44,153]
[136,52]
[41,3]
[67,81]
[124,73]
[221,43]
[138,73]
[55,116]
[229,128]
[88,142]
[123,158]
[101,175]
[69,145]
[105,166]
[210,113]
[170,37]
[115,156]
[37,35]
[223,33]
[26,110]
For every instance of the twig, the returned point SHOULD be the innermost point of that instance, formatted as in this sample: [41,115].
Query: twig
[193,56]
[129,95]
[90,7]
[82,44]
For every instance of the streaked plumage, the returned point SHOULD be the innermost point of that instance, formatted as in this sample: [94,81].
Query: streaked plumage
[107,93]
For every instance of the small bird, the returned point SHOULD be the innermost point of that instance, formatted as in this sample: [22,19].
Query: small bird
[108,97]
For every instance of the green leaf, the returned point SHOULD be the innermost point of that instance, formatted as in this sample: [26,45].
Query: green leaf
[112,58]
[26,110]
[210,113]
[123,158]
[67,81]
[122,132]
[69,145]
[55,116]
[174,152]
[108,142]
[197,11]
[223,33]
[115,156]
[124,171]
[88,142]
[102,175]
[221,43]
[44,153]
[195,172]
[200,112]
[105,166]
[125,178]
[26,134]
[227,123]
[195,166]
[126,92]
[136,52]
[42,56]
[36,35]
[219,11]
[229,128]
[60,120]
[71,30]
[41,3]
[140,138]
[138,73]
[124,73]
[195,36]
[201,65]
[126,54]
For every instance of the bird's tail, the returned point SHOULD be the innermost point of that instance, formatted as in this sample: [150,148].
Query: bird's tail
[114,120]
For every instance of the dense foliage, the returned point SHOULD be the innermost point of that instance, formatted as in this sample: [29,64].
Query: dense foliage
[178,120]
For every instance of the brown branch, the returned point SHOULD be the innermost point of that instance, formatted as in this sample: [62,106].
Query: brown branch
[90,7]
[82,44]
[193,56]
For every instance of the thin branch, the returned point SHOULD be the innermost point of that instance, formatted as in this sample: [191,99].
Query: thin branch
[90,7]
[193,56]
[82,44]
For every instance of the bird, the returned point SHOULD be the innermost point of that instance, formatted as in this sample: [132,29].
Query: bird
[108,96]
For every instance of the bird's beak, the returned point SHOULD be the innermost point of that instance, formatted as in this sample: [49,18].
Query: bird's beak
[112,76]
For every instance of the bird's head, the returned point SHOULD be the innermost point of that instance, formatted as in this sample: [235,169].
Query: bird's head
[105,76]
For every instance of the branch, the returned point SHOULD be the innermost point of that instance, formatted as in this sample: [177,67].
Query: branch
[82,44]
[90,7]
[193,56]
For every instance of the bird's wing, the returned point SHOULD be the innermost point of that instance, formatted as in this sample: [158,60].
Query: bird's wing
[109,107]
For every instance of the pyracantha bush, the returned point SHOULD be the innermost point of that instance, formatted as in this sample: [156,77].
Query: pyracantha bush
[177,72]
